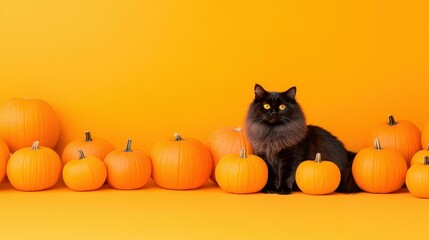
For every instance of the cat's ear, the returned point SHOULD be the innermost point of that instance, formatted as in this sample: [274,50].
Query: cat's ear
[260,92]
[290,93]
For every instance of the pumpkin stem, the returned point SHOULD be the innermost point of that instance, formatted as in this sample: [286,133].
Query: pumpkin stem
[318,158]
[177,137]
[88,136]
[81,155]
[428,147]
[35,145]
[243,153]
[377,144]
[392,121]
[237,129]
[128,147]
[426,160]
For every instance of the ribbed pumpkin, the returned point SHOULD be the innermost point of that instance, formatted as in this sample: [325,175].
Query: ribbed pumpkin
[241,173]
[417,179]
[403,136]
[425,135]
[379,170]
[22,120]
[90,146]
[128,169]
[85,173]
[180,163]
[4,157]
[33,168]
[419,157]
[317,177]
[224,141]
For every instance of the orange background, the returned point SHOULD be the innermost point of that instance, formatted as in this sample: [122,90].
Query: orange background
[147,69]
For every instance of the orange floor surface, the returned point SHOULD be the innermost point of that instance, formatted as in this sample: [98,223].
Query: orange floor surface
[208,213]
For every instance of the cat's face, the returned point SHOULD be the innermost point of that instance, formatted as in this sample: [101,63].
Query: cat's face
[274,108]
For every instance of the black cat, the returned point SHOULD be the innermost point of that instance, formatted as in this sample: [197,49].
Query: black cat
[277,130]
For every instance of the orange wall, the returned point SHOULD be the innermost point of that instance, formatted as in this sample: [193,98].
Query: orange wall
[146,69]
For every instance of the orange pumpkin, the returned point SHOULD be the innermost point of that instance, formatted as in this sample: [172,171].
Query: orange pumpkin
[419,157]
[425,135]
[128,169]
[224,141]
[22,120]
[417,179]
[241,173]
[90,146]
[4,157]
[379,170]
[180,163]
[33,168]
[317,177]
[85,173]
[403,136]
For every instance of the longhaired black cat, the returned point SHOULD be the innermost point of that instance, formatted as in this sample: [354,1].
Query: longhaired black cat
[277,130]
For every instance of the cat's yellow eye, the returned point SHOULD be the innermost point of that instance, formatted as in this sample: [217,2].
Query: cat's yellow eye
[282,107]
[267,106]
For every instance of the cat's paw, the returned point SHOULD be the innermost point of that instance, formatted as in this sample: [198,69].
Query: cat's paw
[269,190]
[284,191]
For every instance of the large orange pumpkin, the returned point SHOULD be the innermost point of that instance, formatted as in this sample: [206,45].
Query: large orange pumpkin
[241,173]
[224,141]
[417,179]
[379,170]
[23,120]
[90,146]
[4,157]
[317,177]
[34,168]
[84,173]
[128,169]
[403,136]
[180,163]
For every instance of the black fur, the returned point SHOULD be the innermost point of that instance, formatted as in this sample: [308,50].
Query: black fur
[282,138]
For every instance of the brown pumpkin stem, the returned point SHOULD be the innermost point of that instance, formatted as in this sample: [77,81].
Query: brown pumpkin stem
[377,144]
[243,153]
[88,136]
[238,129]
[81,154]
[426,162]
[177,137]
[392,121]
[318,158]
[35,145]
[128,147]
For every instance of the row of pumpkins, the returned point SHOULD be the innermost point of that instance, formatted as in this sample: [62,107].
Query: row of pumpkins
[394,156]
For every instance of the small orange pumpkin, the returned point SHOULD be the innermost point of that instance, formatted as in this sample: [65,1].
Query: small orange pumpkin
[403,136]
[33,168]
[4,157]
[90,146]
[419,157]
[317,177]
[180,163]
[241,173]
[128,169]
[379,170]
[224,141]
[85,173]
[22,120]
[417,179]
